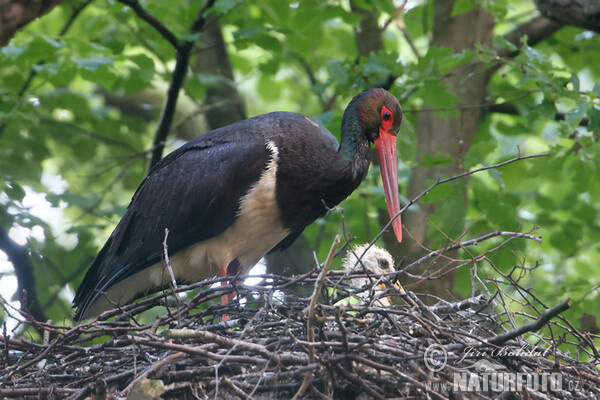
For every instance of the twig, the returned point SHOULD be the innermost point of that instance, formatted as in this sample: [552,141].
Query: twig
[310,334]
[235,388]
[546,316]
[458,306]
[168,262]
[154,367]
[210,337]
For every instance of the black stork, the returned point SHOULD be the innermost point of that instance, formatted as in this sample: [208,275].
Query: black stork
[238,192]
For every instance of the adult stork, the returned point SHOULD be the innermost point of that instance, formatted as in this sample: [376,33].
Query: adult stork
[237,193]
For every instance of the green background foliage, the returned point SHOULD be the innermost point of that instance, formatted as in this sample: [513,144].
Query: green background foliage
[64,145]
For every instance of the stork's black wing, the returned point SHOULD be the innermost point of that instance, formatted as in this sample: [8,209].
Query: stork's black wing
[194,192]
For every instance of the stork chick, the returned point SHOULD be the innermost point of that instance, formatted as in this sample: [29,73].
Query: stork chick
[376,261]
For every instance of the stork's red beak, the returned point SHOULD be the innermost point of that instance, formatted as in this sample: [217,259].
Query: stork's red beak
[385,145]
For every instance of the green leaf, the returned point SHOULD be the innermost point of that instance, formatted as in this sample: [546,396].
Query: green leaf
[594,119]
[146,66]
[438,96]
[268,42]
[596,89]
[431,160]
[93,63]
[13,51]
[14,191]
[384,5]
[500,43]
[52,68]
[498,8]
[575,82]
[224,6]
[374,68]
[463,6]
[337,71]
[53,43]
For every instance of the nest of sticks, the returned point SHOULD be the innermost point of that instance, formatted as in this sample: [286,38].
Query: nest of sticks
[308,336]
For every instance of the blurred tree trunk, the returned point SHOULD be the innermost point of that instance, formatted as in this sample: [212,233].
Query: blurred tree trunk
[15,14]
[224,105]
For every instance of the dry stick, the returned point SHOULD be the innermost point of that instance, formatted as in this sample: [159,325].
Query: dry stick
[168,263]
[210,337]
[150,369]
[310,334]
[574,330]
[351,377]
[458,306]
[452,178]
[396,371]
[533,326]
[171,273]
[236,389]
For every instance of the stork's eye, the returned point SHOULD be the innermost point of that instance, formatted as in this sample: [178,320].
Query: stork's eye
[386,116]
[384,263]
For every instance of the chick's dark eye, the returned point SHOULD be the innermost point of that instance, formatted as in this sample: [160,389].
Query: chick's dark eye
[386,116]
[383,262]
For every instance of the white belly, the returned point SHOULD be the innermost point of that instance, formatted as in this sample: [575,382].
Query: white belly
[256,230]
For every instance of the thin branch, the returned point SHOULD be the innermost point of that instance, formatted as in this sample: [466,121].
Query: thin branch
[168,111]
[452,178]
[152,21]
[533,326]
[468,243]
[472,106]
[536,30]
[505,108]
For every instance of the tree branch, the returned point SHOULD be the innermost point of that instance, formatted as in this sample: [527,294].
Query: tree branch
[452,178]
[583,14]
[505,108]
[152,21]
[533,326]
[536,29]
[15,14]
[179,73]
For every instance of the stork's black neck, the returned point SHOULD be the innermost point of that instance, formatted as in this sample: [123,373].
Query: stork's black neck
[354,146]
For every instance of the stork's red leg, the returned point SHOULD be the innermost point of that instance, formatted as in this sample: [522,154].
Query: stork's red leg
[223,274]
[224,297]
[228,270]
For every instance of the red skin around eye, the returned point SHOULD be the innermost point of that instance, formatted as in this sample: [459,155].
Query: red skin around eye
[387,125]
